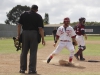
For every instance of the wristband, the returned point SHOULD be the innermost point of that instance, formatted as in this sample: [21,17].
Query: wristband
[73,43]
[55,41]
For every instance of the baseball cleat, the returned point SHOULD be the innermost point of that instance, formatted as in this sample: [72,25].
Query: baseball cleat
[76,56]
[82,59]
[49,59]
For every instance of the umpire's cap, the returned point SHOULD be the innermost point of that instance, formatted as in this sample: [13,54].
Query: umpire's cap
[81,19]
[34,7]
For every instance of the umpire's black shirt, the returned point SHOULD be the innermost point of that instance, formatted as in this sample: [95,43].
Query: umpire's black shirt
[31,20]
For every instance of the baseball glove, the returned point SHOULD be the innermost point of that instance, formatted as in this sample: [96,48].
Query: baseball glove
[17,44]
[75,43]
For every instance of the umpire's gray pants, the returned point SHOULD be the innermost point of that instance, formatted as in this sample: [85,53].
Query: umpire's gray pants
[29,41]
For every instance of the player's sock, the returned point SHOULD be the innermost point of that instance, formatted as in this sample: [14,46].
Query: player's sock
[81,57]
[79,52]
[70,59]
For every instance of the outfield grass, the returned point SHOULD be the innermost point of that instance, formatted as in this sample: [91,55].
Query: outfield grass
[91,48]
[7,46]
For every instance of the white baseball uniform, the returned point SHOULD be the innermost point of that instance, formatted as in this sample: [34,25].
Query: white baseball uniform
[65,37]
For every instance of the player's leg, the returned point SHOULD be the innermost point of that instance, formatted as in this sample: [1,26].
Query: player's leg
[83,47]
[81,55]
[56,51]
[78,39]
[70,47]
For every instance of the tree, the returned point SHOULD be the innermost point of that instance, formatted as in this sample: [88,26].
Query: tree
[13,15]
[46,19]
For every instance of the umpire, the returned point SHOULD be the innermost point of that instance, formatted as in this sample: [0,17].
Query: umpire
[31,22]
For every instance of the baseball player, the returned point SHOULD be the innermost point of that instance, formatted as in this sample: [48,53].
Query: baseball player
[80,31]
[65,34]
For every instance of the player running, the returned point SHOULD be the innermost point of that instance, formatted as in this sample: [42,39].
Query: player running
[80,31]
[65,34]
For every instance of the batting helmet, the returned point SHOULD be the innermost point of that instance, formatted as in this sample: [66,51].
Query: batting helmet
[66,19]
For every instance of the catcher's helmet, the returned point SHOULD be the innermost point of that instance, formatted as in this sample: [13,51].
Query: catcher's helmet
[81,19]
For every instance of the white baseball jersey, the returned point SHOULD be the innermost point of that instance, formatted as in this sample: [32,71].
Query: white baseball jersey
[65,33]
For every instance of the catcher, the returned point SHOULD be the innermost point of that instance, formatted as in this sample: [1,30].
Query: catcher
[66,35]
[80,31]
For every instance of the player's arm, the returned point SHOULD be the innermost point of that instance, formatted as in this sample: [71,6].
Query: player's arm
[57,37]
[56,40]
[83,32]
[74,40]
[73,36]
[85,36]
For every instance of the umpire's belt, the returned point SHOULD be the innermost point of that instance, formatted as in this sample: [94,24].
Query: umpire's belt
[65,40]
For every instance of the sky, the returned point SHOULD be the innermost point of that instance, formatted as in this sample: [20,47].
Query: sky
[57,9]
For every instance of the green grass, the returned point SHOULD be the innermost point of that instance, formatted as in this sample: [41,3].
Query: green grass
[49,38]
[7,46]
[93,38]
[91,48]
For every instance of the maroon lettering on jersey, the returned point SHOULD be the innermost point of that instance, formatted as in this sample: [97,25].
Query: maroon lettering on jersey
[79,28]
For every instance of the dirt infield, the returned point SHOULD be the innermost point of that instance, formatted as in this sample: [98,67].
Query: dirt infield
[9,63]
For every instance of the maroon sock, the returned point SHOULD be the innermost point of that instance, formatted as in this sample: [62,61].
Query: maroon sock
[81,55]
[79,52]
[51,57]
[70,59]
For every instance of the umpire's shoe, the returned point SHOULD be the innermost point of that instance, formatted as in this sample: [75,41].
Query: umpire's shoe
[32,72]
[76,56]
[22,71]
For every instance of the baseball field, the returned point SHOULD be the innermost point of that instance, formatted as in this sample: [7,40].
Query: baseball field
[9,59]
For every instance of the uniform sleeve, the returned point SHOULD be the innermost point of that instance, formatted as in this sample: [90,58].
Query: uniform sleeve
[83,29]
[73,34]
[40,22]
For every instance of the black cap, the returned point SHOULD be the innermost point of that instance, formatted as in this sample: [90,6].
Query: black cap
[35,7]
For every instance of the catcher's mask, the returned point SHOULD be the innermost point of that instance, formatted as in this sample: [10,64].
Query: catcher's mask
[82,19]
[17,44]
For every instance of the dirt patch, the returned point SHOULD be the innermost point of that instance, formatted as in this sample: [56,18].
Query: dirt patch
[9,63]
